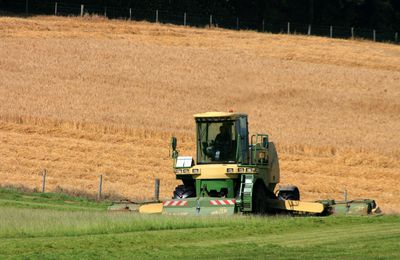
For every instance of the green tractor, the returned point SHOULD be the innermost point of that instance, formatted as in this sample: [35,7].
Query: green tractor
[237,173]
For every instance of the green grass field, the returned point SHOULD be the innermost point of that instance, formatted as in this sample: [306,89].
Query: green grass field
[34,225]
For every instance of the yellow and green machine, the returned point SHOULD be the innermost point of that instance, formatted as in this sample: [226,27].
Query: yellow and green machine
[234,172]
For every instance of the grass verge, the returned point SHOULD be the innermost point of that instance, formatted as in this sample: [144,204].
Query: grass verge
[19,198]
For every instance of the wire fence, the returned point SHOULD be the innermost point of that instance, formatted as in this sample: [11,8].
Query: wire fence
[32,7]
[99,193]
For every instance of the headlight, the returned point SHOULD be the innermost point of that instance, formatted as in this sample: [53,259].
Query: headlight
[185,171]
[229,170]
[196,171]
[251,170]
[241,170]
[178,171]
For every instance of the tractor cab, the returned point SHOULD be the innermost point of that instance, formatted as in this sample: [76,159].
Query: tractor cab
[222,153]
[222,138]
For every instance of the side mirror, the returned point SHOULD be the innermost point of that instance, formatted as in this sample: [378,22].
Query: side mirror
[265,142]
[174,151]
[173,143]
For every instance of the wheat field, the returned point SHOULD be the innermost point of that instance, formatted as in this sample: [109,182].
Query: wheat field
[87,96]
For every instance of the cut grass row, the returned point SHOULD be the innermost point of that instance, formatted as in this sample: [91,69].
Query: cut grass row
[95,234]
[59,233]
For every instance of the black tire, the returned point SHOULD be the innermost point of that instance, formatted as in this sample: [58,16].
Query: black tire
[289,193]
[183,192]
[259,200]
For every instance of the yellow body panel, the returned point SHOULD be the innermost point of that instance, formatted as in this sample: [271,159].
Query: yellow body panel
[215,171]
[296,205]
[232,115]
[154,208]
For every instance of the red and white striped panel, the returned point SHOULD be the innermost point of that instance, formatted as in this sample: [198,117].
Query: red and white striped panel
[222,202]
[169,203]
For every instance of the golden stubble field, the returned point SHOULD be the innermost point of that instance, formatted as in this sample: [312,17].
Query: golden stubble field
[83,97]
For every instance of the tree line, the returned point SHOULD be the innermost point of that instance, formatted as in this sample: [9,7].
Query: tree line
[378,14]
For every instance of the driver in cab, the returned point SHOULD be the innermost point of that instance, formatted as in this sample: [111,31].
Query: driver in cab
[223,143]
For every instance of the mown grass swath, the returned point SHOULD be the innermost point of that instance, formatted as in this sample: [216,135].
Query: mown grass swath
[47,233]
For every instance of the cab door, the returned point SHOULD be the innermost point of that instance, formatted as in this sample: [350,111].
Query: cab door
[243,140]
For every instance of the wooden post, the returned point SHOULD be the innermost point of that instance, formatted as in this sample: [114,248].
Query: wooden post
[157,189]
[82,7]
[44,180]
[156,16]
[130,14]
[374,35]
[184,19]
[288,28]
[346,198]
[55,8]
[100,187]
[211,20]
[237,23]
[352,32]
[105,11]
[331,31]
[396,37]
[26,7]
[263,25]
[309,29]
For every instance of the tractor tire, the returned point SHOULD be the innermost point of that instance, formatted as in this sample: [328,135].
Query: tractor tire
[259,200]
[289,193]
[183,192]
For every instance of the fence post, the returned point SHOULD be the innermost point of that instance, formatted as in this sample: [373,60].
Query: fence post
[211,20]
[331,31]
[237,23]
[396,36]
[309,29]
[130,14]
[288,28]
[352,32]
[156,16]
[157,189]
[26,7]
[82,7]
[105,11]
[184,19]
[55,8]
[44,180]
[263,25]
[100,187]
[374,35]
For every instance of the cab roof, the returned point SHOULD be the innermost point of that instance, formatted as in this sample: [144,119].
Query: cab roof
[231,115]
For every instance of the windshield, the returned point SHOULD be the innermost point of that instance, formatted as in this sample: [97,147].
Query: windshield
[216,141]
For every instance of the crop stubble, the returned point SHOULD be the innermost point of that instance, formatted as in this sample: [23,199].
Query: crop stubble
[83,97]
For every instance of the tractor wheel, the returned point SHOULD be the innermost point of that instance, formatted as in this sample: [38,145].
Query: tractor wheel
[183,192]
[259,200]
[289,193]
